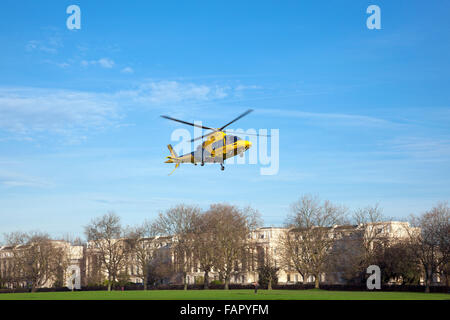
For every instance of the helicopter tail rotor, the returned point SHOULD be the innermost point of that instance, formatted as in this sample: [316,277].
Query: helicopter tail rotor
[172,158]
[176,166]
[172,152]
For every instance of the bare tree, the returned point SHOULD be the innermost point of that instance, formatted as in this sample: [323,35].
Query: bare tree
[15,238]
[431,240]
[73,240]
[145,249]
[181,222]
[231,231]
[446,273]
[307,244]
[37,259]
[398,262]
[94,275]
[13,265]
[346,258]
[268,269]
[105,235]
[204,248]
[368,219]
[359,246]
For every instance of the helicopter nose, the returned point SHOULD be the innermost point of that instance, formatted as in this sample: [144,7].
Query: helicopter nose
[248,144]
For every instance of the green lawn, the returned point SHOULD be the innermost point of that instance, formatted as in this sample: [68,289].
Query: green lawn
[225,295]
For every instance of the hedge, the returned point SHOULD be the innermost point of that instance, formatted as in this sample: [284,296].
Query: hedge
[298,286]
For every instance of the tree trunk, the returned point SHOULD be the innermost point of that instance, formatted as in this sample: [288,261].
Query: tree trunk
[317,281]
[428,278]
[227,283]
[206,281]
[113,281]
[109,283]
[145,282]
[185,281]
[269,285]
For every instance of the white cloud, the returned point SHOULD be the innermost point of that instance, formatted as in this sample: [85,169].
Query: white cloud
[103,62]
[127,70]
[62,65]
[164,92]
[336,118]
[10,179]
[49,45]
[245,87]
[28,111]
[106,63]
[421,147]
[43,46]
[32,45]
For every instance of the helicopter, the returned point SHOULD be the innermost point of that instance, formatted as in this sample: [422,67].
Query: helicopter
[218,146]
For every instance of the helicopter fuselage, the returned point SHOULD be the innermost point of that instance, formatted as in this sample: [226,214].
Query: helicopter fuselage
[216,149]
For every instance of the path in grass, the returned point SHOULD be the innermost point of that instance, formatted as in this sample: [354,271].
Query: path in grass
[225,295]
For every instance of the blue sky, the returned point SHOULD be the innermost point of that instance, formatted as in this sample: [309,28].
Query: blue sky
[363,114]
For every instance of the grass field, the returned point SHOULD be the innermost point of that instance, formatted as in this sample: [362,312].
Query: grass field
[312,294]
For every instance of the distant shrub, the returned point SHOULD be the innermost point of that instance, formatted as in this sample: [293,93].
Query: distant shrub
[200,280]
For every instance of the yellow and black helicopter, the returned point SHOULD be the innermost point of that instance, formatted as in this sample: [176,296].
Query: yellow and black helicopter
[218,146]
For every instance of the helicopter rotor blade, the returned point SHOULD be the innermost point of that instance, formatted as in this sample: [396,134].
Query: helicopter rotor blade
[236,119]
[188,123]
[248,134]
[233,133]
[203,136]
[208,128]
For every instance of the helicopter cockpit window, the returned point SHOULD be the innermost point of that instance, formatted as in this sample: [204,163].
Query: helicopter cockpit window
[217,144]
[231,139]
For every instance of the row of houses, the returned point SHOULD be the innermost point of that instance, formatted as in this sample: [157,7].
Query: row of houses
[85,267]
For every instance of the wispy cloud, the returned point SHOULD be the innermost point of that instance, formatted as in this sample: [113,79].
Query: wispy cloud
[337,118]
[164,92]
[62,65]
[26,110]
[11,179]
[49,46]
[247,87]
[127,70]
[425,148]
[106,63]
